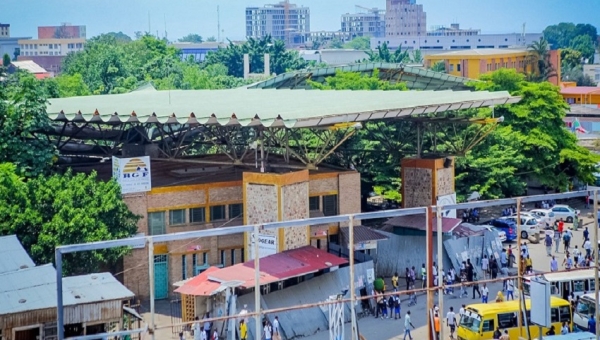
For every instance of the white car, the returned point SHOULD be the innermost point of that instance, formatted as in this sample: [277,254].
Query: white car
[546,215]
[529,225]
[565,212]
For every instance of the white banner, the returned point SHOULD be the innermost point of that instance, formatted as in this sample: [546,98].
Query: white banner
[447,200]
[267,245]
[132,174]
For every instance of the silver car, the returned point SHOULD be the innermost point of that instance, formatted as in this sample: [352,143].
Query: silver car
[565,212]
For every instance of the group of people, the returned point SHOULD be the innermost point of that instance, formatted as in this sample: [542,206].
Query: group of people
[470,215]
[202,329]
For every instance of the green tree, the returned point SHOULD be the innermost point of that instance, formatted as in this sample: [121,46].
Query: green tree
[282,59]
[570,58]
[416,57]
[72,86]
[584,45]
[192,38]
[336,43]
[22,114]
[355,81]
[552,154]
[6,60]
[383,54]
[120,36]
[575,74]
[359,43]
[540,61]
[65,209]
[439,66]
[211,39]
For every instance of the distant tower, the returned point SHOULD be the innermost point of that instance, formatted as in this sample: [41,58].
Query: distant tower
[405,18]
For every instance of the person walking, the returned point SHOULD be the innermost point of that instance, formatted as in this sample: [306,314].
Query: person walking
[587,245]
[198,329]
[592,324]
[243,330]
[510,288]
[267,330]
[397,308]
[484,293]
[576,256]
[207,325]
[565,328]
[553,264]
[586,235]
[407,325]
[568,262]
[497,333]
[566,240]
[528,264]
[494,267]
[556,241]
[476,287]
[436,325]
[423,276]
[560,227]
[451,321]
[395,281]
[276,335]
[485,266]
[548,243]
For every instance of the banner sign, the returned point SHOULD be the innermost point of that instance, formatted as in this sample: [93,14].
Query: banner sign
[132,174]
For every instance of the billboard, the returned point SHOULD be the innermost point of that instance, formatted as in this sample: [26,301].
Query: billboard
[132,174]
[267,245]
[449,199]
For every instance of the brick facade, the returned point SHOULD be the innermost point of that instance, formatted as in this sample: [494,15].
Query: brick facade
[163,200]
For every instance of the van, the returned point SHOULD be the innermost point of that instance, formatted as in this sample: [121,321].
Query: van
[481,320]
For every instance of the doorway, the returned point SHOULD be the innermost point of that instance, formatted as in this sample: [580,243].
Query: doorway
[161,277]
[28,334]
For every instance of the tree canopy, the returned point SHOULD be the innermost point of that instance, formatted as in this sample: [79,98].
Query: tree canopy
[359,43]
[281,59]
[45,212]
[580,37]
[192,38]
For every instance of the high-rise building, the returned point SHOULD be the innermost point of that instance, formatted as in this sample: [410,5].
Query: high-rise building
[283,21]
[404,18]
[367,24]
[64,31]
[4,30]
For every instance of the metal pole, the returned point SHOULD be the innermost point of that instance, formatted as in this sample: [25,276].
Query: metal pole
[518,257]
[151,281]
[60,324]
[352,293]
[438,212]
[258,330]
[429,261]
[596,281]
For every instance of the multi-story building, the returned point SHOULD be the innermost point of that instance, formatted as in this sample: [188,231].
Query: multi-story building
[52,45]
[404,18]
[4,30]
[197,51]
[369,24]
[453,31]
[283,21]
[429,44]
[592,71]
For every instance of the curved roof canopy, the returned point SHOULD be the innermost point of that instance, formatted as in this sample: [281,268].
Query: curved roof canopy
[269,108]
[416,78]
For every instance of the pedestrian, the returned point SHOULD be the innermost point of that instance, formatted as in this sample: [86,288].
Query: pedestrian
[395,281]
[505,335]
[499,296]
[436,325]
[565,328]
[568,262]
[586,234]
[510,288]
[267,330]
[484,293]
[566,240]
[197,329]
[390,305]
[423,276]
[576,256]
[384,309]
[243,330]
[592,324]
[587,201]
[397,307]
[413,276]
[451,321]
[504,259]
[463,283]
[215,335]
[470,271]
[494,268]
[461,312]
[476,287]
[560,227]
[276,335]
[207,325]
[497,333]
[407,273]
[485,266]
[528,264]
[553,264]
[587,245]
[548,243]
[556,241]
[407,325]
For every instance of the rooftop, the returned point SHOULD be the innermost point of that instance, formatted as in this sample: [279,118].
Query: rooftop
[29,65]
[580,90]
[269,108]
[362,234]
[12,255]
[418,222]
[479,52]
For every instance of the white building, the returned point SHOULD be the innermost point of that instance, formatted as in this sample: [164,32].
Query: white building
[434,44]
[593,71]
[369,24]
[404,18]
[283,21]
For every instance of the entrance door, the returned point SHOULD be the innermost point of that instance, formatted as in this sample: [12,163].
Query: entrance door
[28,334]
[161,277]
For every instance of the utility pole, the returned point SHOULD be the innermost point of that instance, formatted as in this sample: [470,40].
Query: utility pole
[218,25]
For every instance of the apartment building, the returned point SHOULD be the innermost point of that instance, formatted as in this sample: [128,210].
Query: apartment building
[367,24]
[405,18]
[283,21]
[431,44]
[4,30]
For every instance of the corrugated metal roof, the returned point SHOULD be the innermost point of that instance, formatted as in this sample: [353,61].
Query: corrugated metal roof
[362,234]
[35,288]
[12,255]
[272,108]
[580,90]
[477,52]
[273,268]
[418,222]
[29,65]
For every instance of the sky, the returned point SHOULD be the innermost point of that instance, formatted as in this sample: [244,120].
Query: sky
[200,16]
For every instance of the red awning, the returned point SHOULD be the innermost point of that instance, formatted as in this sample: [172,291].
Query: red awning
[200,285]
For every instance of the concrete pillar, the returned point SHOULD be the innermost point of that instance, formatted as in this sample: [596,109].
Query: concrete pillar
[246,66]
[426,182]
[267,64]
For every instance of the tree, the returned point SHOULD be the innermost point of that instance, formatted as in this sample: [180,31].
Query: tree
[575,73]
[336,43]
[72,86]
[6,60]
[570,58]
[61,209]
[191,38]
[416,57]
[282,59]
[359,43]
[439,66]
[540,61]
[120,36]
[22,114]
[383,54]
[355,81]
[584,45]
[211,39]
[552,154]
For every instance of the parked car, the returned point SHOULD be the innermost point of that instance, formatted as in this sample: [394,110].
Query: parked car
[527,214]
[565,212]
[507,226]
[529,225]
[546,215]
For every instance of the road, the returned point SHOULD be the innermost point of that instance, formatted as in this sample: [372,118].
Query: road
[372,328]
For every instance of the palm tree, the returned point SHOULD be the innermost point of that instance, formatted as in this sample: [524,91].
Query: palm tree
[539,60]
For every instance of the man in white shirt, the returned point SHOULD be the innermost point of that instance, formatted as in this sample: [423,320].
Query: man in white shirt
[587,245]
[451,321]
[485,266]
[267,331]
[407,325]
[461,312]
[510,288]
[198,329]
[276,329]
[484,293]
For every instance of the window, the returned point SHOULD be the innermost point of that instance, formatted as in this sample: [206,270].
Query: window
[313,203]
[458,67]
[232,257]
[507,320]
[236,210]
[223,258]
[564,313]
[183,267]
[451,67]
[330,205]
[156,223]
[177,217]
[488,326]
[198,215]
[217,212]
[554,315]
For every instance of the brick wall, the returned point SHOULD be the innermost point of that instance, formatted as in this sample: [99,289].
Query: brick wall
[349,194]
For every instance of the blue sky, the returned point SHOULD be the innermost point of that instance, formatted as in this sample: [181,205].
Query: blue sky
[200,16]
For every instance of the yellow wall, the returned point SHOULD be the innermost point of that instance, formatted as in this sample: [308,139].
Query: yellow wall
[593,98]
[515,61]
